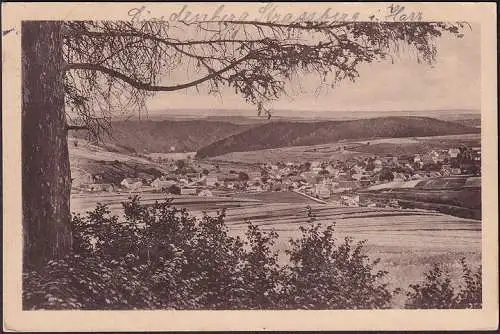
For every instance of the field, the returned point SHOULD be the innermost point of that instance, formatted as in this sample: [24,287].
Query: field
[408,241]
[295,153]
[353,148]
[458,196]
[172,156]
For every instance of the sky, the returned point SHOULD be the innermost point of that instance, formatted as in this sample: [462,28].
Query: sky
[453,82]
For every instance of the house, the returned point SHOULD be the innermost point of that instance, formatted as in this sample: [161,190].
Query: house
[285,171]
[333,171]
[446,170]
[343,177]
[315,164]
[434,174]
[188,191]
[390,159]
[350,200]
[357,177]
[80,177]
[211,181]
[476,153]
[348,184]
[204,193]
[365,181]
[340,190]
[358,169]
[399,177]
[453,152]
[100,187]
[131,183]
[194,176]
[316,170]
[158,183]
[257,188]
[266,187]
[430,158]
[309,177]
[442,156]
[229,178]
[323,190]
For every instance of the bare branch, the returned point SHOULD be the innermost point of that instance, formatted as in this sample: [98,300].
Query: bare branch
[150,87]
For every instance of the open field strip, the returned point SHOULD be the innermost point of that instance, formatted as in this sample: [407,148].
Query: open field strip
[408,241]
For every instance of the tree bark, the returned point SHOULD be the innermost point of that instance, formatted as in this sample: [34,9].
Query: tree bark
[46,182]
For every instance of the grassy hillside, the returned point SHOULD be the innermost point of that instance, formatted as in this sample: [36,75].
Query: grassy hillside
[161,136]
[282,134]
[111,166]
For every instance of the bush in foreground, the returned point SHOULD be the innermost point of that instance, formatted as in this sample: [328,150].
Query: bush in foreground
[437,291]
[161,257]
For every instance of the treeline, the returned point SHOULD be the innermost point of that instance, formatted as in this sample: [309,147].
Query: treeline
[283,134]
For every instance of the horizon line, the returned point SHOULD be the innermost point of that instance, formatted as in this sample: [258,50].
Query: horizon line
[472,110]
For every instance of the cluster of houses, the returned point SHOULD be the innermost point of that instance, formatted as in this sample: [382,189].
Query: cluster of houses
[336,180]
[332,180]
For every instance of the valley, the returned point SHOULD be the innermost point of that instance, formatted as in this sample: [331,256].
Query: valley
[428,211]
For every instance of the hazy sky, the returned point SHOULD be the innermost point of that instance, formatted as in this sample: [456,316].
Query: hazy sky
[452,83]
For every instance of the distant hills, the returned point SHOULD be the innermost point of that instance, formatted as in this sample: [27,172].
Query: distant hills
[212,136]
[161,136]
[281,134]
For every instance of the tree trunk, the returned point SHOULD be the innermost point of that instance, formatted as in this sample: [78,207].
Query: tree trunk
[45,161]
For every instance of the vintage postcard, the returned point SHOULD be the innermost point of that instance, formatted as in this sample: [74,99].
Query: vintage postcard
[257,166]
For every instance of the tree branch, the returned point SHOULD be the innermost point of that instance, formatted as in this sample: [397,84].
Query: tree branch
[149,87]
[170,41]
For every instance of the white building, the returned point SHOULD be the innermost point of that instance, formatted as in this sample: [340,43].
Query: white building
[204,193]
[101,187]
[315,164]
[323,190]
[350,200]
[131,183]
[211,180]
[161,184]
[453,152]
[188,191]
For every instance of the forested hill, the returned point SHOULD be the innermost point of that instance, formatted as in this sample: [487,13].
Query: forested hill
[161,136]
[282,134]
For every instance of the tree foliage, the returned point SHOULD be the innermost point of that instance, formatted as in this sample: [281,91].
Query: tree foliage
[114,66]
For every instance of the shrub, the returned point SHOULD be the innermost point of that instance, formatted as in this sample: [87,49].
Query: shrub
[161,257]
[327,275]
[174,189]
[158,257]
[437,291]
[242,176]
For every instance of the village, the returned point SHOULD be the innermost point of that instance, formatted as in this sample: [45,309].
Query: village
[333,181]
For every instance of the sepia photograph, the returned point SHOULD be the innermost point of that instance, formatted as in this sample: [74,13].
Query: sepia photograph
[258,158]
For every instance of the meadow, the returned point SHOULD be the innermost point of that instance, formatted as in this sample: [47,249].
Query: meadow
[353,148]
